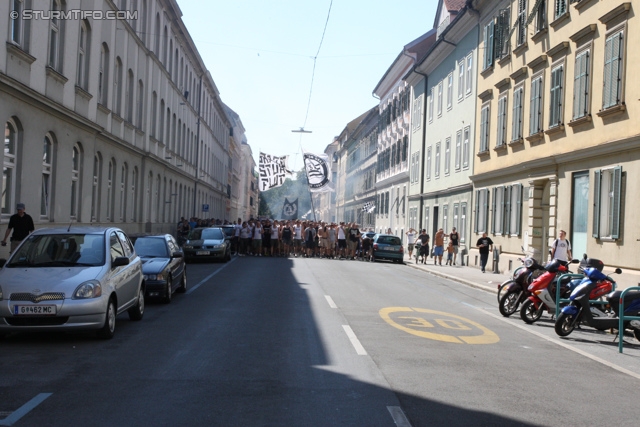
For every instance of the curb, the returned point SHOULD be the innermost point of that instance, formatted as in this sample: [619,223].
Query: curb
[485,288]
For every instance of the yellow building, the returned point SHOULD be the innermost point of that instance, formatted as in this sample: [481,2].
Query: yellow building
[558,144]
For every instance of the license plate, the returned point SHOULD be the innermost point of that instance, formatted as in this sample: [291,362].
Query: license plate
[202,253]
[34,310]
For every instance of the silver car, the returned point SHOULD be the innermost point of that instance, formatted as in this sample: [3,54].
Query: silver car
[71,279]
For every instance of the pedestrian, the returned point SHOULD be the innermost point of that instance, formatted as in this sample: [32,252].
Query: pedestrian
[411,240]
[485,245]
[561,248]
[245,238]
[297,239]
[342,240]
[454,238]
[449,253]
[354,240]
[22,225]
[438,247]
[424,247]
[256,244]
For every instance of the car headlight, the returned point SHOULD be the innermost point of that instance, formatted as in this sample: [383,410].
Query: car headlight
[218,246]
[90,289]
[154,276]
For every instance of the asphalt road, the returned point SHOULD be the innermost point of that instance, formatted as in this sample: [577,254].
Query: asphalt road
[312,342]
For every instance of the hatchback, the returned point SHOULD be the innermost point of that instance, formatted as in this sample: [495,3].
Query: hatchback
[71,279]
[207,243]
[387,246]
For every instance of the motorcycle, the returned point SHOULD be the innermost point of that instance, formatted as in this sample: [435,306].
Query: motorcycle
[543,291]
[595,285]
[515,290]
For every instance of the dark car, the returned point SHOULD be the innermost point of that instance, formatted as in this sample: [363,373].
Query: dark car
[387,246]
[208,243]
[229,230]
[163,265]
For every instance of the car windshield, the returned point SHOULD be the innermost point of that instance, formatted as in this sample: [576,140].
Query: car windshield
[60,250]
[151,247]
[389,240]
[229,231]
[206,234]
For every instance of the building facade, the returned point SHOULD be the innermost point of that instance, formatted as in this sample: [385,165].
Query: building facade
[130,121]
[557,148]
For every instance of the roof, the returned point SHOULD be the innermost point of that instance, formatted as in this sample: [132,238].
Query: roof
[452,6]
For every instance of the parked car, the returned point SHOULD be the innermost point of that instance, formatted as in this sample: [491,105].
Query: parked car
[387,246]
[207,243]
[163,265]
[71,279]
[229,230]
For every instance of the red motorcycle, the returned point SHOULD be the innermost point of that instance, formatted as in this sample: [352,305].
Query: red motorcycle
[543,291]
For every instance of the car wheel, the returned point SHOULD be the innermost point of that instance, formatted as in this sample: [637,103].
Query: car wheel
[168,291]
[109,327]
[183,283]
[137,311]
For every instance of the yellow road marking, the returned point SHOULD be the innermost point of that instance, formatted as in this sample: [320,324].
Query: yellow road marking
[418,325]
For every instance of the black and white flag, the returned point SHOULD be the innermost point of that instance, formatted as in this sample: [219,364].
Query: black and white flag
[289,209]
[368,207]
[318,167]
[273,171]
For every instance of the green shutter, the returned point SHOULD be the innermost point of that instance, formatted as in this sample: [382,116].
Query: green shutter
[486,209]
[493,223]
[518,208]
[596,204]
[475,223]
[617,186]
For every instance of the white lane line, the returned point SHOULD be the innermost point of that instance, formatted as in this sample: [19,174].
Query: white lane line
[354,341]
[24,409]
[562,344]
[330,301]
[190,290]
[398,416]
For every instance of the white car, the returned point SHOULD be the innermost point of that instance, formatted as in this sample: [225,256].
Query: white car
[71,279]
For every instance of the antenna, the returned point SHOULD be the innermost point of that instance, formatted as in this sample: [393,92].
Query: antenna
[70,222]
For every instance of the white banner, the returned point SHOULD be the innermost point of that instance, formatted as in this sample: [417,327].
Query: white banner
[318,167]
[273,171]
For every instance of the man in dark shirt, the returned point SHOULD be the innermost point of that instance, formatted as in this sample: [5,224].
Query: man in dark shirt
[22,225]
[485,245]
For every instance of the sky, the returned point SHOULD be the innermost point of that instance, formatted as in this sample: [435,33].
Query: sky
[261,57]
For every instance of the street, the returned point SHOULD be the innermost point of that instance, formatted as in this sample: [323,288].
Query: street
[315,342]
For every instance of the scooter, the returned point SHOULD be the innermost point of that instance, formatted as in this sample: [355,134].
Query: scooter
[595,285]
[543,291]
[515,290]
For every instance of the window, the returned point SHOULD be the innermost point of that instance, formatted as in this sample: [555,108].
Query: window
[416,119]
[19,28]
[56,37]
[9,166]
[502,33]
[76,162]
[130,96]
[541,17]
[561,8]
[607,194]
[117,87]
[47,170]
[447,155]
[103,75]
[140,105]
[426,219]
[445,218]
[458,149]
[154,114]
[110,186]
[83,55]
[498,210]
[134,194]
[386,203]
[484,129]
[465,147]
[440,98]
[449,90]
[463,222]
[428,163]
[431,105]
[482,210]
[535,113]
[581,84]
[515,209]
[488,45]
[437,161]
[456,216]
[95,192]
[156,48]
[521,34]
[613,54]
[123,192]
[470,72]
[460,80]
[556,97]
[501,140]
[516,124]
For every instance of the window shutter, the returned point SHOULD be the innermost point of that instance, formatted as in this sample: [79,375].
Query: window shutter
[518,208]
[617,185]
[608,73]
[617,68]
[493,223]
[506,220]
[475,223]
[486,209]
[596,204]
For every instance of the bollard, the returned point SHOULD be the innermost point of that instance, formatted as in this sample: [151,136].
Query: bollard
[496,260]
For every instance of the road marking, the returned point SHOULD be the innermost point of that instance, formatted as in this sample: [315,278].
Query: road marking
[398,416]
[190,290]
[462,330]
[24,409]
[330,301]
[354,341]
[561,344]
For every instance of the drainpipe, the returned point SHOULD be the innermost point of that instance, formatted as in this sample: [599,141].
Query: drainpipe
[197,177]
[424,145]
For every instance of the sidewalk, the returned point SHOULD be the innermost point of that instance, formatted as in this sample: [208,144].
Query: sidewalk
[470,276]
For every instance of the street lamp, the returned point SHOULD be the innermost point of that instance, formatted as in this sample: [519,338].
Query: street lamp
[301,130]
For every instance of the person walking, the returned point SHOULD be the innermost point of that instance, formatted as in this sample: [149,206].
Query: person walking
[561,248]
[454,239]
[424,247]
[411,241]
[438,246]
[22,225]
[485,245]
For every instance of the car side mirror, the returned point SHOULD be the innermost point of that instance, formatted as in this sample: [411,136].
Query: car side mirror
[177,254]
[120,261]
